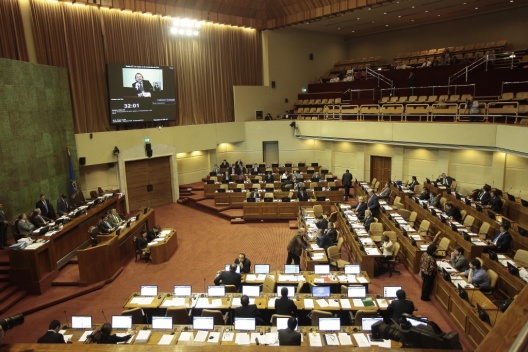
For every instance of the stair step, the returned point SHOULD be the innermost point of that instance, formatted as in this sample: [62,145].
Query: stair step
[5,294]
[4,285]
[12,300]
[4,277]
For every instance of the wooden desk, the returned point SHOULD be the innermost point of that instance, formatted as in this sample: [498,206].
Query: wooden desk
[163,250]
[150,302]
[278,210]
[101,262]
[507,284]
[34,270]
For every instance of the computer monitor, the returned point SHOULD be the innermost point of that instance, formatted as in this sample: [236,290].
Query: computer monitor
[225,181]
[428,180]
[493,255]
[237,189]
[262,268]
[245,324]
[286,199]
[352,269]
[310,171]
[274,165]
[511,197]
[148,290]
[162,323]
[215,291]
[182,290]
[291,290]
[357,291]
[221,190]
[251,200]
[522,231]
[282,323]
[81,322]
[390,291]
[318,188]
[291,269]
[320,198]
[268,200]
[462,293]
[203,323]
[251,291]
[121,322]
[513,269]
[446,275]
[322,269]
[288,165]
[212,173]
[366,323]
[146,210]
[321,291]
[315,164]
[270,189]
[524,203]
[329,324]
[483,315]
[227,267]
[334,188]
[506,223]
[491,215]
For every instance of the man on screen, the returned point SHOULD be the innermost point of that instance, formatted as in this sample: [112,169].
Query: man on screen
[141,85]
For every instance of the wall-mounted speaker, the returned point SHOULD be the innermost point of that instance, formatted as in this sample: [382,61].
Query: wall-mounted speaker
[310,56]
[272,84]
[82,160]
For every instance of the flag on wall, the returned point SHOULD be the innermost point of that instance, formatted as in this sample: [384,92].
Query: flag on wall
[73,181]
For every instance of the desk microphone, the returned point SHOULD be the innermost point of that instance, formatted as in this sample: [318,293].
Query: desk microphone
[496,315]
[104,316]
[204,285]
[65,326]
[257,341]
[146,326]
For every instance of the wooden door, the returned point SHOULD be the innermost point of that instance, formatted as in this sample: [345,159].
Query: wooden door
[148,182]
[270,152]
[380,168]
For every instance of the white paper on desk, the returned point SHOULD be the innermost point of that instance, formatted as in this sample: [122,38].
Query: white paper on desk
[501,256]
[151,243]
[228,336]
[251,277]
[202,302]
[217,302]
[178,301]
[385,343]
[322,303]
[142,336]
[186,336]
[300,278]
[345,303]
[34,245]
[382,303]
[351,278]
[271,303]
[372,251]
[242,338]
[165,232]
[367,240]
[319,280]
[334,303]
[416,237]
[308,303]
[358,302]
[256,335]
[315,247]
[361,340]
[272,339]
[142,300]
[287,278]
[342,278]
[315,339]
[262,277]
[362,280]
[423,247]
[214,337]
[478,242]
[85,335]
[201,336]
[345,339]
[331,340]
[166,339]
[317,256]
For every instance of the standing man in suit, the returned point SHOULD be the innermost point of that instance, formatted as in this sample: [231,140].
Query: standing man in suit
[284,305]
[224,164]
[141,85]
[45,207]
[63,205]
[502,241]
[290,337]
[360,208]
[346,180]
[248,311]
[244,263]
[3,227]
[52,335]
[399,306]
[228,277]
[302,195]
[373,203]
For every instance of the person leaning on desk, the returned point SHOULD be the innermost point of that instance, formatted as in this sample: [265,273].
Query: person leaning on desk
[228,277]
[105,336]
[244,263]
[477,276]
[457,260]
[453,212]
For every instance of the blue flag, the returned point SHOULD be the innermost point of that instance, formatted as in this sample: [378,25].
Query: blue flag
[73,181]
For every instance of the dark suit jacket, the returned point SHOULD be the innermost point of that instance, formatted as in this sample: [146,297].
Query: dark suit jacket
[324,241]
[269,178]
[303,197]
[247,265]
[322,225]
[228,278]
[445,181]
[224,165]
[249,311]
[485,199]
[51,337]
[503,244]
[286,306]
[105,227]
[289,337]
[47,213]
[147,87]
[398,307]
[63,206]
[38,221]
[346,180]
[454,213]
[368,221]
[373,205]
[360,209]
[332,233]
[496,204]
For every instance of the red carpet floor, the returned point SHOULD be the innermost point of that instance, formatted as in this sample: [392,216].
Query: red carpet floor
[206,243]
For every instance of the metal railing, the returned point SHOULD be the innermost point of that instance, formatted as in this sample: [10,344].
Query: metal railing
[379,77]
[508,83]
[431,90]
[485,60]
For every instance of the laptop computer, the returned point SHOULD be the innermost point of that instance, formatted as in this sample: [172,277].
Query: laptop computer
[245,324]
[321,291]
[352,269]
[162,323]
[122,322]
[357,291]
[390,291]
[262,268]
[81,322]
[215,291]
[148,290]
[329,324]
[322,269]
[291,269]
[251,291]
[182,290]
[291,290]
[203,323]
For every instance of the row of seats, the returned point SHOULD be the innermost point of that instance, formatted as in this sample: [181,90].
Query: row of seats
[462,49]
[326,101]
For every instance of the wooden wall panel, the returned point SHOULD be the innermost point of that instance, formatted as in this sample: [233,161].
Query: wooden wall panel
[141,173]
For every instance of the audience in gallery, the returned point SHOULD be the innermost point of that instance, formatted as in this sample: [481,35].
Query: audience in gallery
[243,263]
[52,335]
[230,277]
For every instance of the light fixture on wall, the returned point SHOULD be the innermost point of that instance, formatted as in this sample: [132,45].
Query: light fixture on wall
[115,151]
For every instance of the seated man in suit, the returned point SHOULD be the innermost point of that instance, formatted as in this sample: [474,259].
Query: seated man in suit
[24,226]
[458,261]
[224,164]
[142,244]
[302,195]
[321,223]
[244,263]
[445,180]
[141,85]
[502,241]
[52,335]
[453,212]
[284,305]
[37,219]
[290,337]
[331,232]
[104,225]
[154,233]
[385,192]
[434,199]
[254,194]
[360,208]
[477,276]
[228,277]
[216,169]
[495,203]
[369,219]
[113,218]
[399,306]
[269,178]
[63,205]
[247,310]
[323,240]
[45,207]
[425,195]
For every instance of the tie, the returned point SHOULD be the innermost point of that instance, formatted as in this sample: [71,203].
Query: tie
[498,237]
[45,205]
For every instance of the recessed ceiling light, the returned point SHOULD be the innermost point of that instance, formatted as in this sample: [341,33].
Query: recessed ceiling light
[412,7]
[384,13]
[399,16]
[438,15]
[339,29]
[357,18]
[386,25]
[372,22]
[476,8]
[412,20]
[426,11]
[353,31]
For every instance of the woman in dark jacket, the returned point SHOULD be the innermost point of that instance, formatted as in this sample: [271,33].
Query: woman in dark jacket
[106,336]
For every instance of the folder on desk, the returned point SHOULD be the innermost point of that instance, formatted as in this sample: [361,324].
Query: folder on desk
[368,302]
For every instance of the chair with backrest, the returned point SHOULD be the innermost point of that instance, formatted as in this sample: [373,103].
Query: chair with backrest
[269,285]
[230,289]
[392,235]
[270,185]
[318,210]
[521,256]
[423,230]
[136,314]
[316,314]
[389,264]
[100,191]
[468,222]
[412,218]
[484,229]
[333,217]
[454,185]
[493,281]
[405,214]
[360,314]
[463,214]
[373,182]
[219,318]
[397,199]
[313,185]
[375,231]
[179,315]
[417,189]
[443,201]
[436,237]
[93,194]
[334,257]
[443,246]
